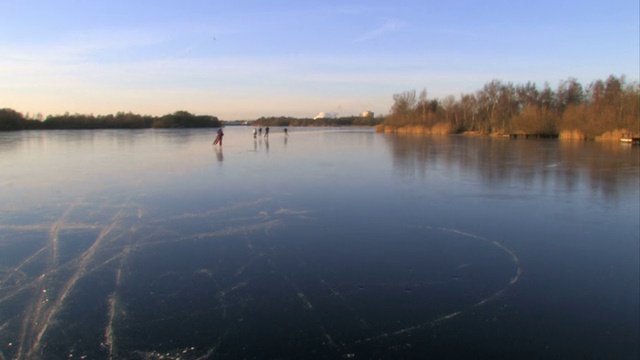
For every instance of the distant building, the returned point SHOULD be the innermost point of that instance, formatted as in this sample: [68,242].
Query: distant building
[367,114]
[324,115]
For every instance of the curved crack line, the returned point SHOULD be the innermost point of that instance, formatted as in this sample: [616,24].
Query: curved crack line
[443,318]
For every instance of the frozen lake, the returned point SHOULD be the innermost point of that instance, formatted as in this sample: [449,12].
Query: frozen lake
[331,243]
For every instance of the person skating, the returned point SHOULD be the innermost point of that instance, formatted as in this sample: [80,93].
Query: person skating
[219,137]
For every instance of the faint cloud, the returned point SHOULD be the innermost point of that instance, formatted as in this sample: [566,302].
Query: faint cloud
[389,26]
[81,46]
[115,39]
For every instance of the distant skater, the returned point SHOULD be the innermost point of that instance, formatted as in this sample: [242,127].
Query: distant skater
[255,133]
[266,132]
[219,137]
[286,133]
[260,131]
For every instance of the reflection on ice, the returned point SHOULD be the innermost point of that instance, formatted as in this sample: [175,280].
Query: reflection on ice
[338,245]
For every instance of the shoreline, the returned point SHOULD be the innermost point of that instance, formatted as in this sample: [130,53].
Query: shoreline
[565,135]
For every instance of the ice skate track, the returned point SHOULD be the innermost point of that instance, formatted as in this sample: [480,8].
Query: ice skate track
[43,318]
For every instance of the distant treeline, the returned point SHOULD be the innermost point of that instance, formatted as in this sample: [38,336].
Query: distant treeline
[569,111]
[13,120]
[342,121]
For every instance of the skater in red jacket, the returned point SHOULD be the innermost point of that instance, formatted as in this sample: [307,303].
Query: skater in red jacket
[219,137]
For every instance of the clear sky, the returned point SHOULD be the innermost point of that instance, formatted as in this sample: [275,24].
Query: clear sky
[244,59]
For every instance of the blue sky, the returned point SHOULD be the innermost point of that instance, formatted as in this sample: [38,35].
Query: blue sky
[245,59]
